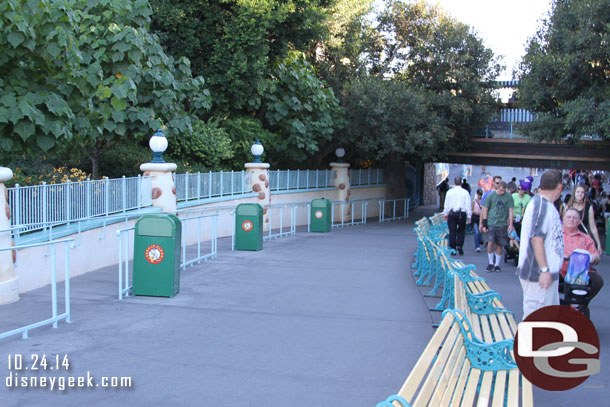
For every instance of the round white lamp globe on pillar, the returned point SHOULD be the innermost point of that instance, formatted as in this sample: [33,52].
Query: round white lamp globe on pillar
[163,189]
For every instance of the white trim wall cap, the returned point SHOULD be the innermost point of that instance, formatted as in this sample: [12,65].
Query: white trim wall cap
[161,167]
[257,165]
[5,174]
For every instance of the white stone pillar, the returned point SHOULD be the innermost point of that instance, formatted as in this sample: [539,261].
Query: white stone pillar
[9,280]
[163,185]
[342,182]
[257,180]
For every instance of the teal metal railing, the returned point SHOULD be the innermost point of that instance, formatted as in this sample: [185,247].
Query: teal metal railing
[55,317]
[206,185]
[39,207]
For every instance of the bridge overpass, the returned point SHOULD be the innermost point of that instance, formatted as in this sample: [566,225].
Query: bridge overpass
[519,152]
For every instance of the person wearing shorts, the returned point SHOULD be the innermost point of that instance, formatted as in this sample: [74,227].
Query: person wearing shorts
[497,222]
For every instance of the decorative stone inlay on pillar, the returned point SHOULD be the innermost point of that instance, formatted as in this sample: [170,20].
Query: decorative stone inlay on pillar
[163,185]
[9,280]
[342,182]
[257,180]
[430,193]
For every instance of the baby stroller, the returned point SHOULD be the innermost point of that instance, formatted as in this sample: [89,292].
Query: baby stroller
[512,249]
[575,286]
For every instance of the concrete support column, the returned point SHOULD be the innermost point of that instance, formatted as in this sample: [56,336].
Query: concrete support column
[163,185]
[9,280]
[342,182]
[430,193]
[257,180]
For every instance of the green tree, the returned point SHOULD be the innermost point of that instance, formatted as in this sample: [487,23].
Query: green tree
[114,81]
[300,109]
[443,57]
[234,43]
[38,51]
[565,74]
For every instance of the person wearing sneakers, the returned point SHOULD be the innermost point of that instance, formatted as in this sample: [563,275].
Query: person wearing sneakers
[457,212]
[497,221]
[542,248]
[476,209]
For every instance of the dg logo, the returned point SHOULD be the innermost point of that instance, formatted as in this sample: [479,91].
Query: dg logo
[319,214]
[557,348]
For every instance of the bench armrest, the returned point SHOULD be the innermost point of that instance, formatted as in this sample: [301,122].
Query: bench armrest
[484,356]
[482,304]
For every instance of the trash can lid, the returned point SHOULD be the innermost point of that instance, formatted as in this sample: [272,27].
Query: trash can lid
[249,209]
[320,202]
[155,225]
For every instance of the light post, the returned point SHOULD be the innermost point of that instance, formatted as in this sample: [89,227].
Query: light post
[257,150]
[340,153]
[158,145]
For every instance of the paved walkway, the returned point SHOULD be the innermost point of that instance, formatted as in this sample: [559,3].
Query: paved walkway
[314,319]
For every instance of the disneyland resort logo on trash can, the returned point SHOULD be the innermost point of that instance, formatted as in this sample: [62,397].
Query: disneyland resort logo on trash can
[247,226]
[154,254]
[557,348]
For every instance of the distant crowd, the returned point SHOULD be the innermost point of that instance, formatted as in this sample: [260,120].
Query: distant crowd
[539,228]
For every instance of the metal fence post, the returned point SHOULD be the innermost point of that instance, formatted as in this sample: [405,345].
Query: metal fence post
[369,177]
[210,184]
[44,206]
[326,178]
[198,185]
[67,184]
[186,186]
[107,196]
[222,192]
[139,191]
[88,199]
[124,183]
[232,183]
[287,179]
[298,175]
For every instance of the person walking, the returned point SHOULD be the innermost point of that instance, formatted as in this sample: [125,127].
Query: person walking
[442,189]
[476,209]
[520,200]
[497,222]
[457,212]
[541,252]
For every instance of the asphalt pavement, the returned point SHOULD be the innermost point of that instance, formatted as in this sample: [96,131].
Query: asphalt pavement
[313,319]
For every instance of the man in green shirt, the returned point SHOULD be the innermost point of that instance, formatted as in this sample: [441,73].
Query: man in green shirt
[497,220]
[520,200]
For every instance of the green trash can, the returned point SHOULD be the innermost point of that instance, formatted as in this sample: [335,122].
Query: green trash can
[321,213]
[249,227]
[156,259]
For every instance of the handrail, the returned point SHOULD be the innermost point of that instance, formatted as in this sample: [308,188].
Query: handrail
[55,317]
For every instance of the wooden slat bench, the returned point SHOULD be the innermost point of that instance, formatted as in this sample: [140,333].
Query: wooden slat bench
[457,369]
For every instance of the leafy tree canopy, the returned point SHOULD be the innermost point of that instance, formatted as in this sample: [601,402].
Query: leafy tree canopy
[300,109]
[90,72]
[234,43]
[565,74]
[429,85]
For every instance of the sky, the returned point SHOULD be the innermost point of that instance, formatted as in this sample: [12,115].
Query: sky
[505,26]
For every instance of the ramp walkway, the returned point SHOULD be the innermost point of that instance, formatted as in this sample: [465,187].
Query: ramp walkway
[311,320]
